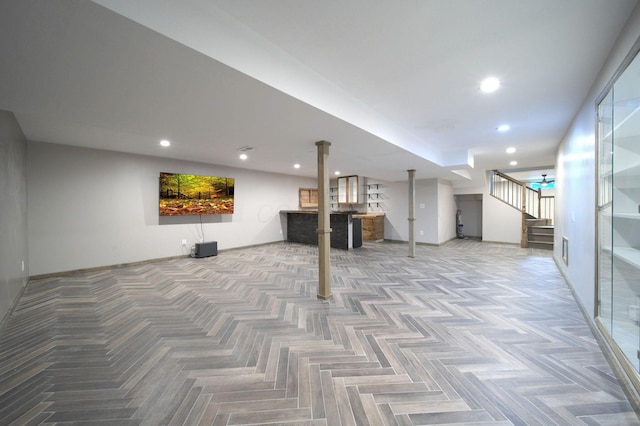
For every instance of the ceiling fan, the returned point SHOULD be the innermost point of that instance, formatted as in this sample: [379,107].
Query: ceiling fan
[544,183]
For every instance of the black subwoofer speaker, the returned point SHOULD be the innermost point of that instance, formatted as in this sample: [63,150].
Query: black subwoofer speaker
[205,249]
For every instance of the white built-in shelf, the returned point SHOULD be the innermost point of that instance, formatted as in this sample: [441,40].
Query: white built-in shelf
[618,199]
[634,216]
[627,161]
[628,254]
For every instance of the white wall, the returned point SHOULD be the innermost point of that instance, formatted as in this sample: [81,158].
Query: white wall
[500,222]
[90,208]
[13,212]
[426,224]
[576,177]
[395,204]
[396,208]
[446,212]
[435,210]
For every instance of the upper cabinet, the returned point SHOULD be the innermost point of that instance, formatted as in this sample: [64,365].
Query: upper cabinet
[348,190]
[308,197]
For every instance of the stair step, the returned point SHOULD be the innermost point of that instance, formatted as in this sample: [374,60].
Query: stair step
[548,230]
[541,245]
[538,222]
[542,238]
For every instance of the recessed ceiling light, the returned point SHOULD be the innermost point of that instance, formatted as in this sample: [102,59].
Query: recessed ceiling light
[243,156]
[336,173]
[489,85]
[296,166]
[165,142]
[513,163]
[504,128]
[511,150]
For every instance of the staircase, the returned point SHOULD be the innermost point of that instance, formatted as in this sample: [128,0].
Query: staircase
[540,233]
[537,210]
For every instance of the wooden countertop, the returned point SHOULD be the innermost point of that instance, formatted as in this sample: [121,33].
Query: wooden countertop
[300,211]
[356,215]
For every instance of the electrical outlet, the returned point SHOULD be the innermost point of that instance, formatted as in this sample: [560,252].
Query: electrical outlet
[421,232]
[184,242]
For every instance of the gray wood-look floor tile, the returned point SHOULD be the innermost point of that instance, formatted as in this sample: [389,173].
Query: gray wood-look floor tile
[467,332]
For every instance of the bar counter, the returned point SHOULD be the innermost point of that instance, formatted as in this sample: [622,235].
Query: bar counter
[302,225]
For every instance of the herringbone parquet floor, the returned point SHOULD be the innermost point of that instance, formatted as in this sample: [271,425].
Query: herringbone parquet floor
[465,333]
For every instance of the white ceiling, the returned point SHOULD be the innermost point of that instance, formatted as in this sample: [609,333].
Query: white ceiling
[392,85]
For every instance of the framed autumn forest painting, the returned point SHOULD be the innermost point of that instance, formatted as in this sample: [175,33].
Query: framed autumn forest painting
[185,194]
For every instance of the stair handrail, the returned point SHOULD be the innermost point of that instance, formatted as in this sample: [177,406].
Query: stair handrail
[512,195]
[519,195]
[507,177]
[516,192]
